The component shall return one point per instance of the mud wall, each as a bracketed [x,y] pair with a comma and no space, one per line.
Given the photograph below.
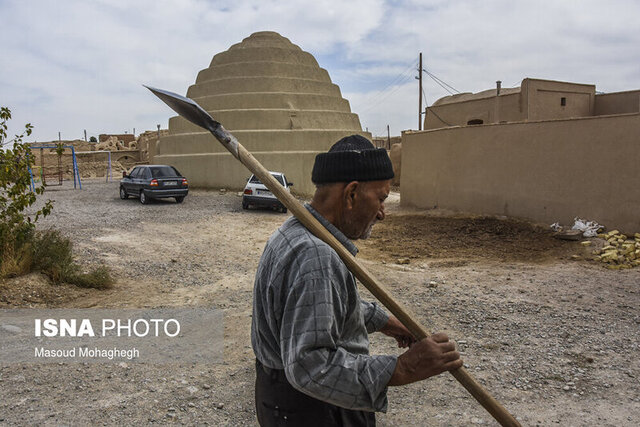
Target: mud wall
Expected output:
[545,171]
[618,103]
[543,99]
[535,99]
[396,161]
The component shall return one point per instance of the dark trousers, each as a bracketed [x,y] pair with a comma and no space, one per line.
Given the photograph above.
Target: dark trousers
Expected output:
[279,404]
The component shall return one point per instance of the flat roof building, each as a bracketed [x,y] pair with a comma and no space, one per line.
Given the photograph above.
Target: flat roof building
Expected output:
[535,99]
[547,151]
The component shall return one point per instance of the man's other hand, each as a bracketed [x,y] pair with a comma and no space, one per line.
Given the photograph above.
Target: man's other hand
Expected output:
[397,330]
[426,358]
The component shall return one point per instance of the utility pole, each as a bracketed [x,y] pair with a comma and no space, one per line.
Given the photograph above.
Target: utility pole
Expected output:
[388,139]
[85,135]
[420,94]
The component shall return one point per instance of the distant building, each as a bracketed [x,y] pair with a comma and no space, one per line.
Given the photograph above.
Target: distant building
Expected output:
[92,158]
[547,151]
[535,99]
[126,138]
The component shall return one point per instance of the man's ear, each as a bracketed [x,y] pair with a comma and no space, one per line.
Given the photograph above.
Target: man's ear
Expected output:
[349,194]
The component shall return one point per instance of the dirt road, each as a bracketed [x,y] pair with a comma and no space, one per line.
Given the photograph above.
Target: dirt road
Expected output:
[553,339]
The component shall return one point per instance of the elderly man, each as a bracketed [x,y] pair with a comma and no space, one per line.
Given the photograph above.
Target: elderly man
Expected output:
[310,328]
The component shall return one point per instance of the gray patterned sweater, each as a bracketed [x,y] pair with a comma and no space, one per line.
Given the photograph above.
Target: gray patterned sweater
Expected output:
[308,319]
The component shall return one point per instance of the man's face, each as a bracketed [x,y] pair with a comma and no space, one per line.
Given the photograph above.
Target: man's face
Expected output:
[366,207]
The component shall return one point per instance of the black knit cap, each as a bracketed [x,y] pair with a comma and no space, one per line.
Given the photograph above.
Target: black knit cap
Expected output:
[353,158]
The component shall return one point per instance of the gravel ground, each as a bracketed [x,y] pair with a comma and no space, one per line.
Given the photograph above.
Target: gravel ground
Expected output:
[555,341]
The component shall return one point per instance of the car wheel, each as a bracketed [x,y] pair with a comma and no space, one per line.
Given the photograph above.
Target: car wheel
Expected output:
[123,193]
[245,205]
[143,198]
[283,210]
[179,199]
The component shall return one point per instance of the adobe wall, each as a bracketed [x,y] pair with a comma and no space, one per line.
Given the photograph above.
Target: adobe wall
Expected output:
[226,172]
[91,162]
[543,99]
[384,142]
[492,109]
[545,171]
[395,154]
[208,164]
[618,103]
[147,142]
[535,99]
[126,138]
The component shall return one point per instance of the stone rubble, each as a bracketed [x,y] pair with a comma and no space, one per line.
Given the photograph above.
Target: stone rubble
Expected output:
[620,251]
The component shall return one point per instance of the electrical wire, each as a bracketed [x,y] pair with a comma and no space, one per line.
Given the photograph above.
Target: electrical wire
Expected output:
[382,98]
[399,77]
[441,82]
[392,87]
[427,108]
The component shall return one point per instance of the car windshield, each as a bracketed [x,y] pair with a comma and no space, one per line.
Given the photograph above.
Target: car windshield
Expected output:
[163,171]
[254,179]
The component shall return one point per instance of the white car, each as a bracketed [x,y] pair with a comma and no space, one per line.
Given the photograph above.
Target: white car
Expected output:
[258,195]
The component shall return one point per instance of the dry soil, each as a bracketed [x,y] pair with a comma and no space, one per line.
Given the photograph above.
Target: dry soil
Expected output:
[555,340]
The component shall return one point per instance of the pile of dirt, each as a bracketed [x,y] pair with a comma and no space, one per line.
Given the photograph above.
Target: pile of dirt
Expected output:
[420,237]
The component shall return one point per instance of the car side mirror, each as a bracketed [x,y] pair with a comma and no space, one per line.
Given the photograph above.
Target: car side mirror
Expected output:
[289,184]
[124,174]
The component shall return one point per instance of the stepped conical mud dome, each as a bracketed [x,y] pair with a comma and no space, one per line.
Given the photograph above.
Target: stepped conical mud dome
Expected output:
[275,99]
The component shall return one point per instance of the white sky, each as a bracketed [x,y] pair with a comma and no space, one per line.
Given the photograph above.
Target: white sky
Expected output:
[70,65]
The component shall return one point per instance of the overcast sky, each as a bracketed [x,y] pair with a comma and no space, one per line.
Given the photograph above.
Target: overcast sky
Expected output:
[70,65]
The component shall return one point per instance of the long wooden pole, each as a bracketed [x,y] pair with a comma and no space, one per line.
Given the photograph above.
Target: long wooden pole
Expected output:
[194,113]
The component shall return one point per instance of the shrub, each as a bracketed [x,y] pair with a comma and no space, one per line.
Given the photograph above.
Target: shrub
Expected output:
[98,278]
[15,262]
[52,254]
[16,195]
[22,249]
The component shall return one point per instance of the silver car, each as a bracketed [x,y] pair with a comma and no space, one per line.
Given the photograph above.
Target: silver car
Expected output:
[258,195]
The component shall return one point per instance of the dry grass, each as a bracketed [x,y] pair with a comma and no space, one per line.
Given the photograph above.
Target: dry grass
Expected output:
[50,253]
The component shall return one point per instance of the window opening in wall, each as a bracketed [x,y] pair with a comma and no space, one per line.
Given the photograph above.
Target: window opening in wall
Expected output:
[475,122]
[563,101]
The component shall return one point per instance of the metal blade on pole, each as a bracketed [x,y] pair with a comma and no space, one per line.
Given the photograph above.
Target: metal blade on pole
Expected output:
[191,111]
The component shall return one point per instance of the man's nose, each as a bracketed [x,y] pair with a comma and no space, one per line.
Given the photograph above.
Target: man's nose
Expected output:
[381,213]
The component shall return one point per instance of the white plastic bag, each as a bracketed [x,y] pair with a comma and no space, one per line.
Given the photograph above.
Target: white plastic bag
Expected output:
[588,228]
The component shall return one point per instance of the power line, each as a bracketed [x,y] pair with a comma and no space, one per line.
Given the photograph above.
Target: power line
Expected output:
[400,76]
[382,98]
[442,86]
[442,83]
[382,94]
[427,108]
